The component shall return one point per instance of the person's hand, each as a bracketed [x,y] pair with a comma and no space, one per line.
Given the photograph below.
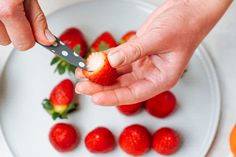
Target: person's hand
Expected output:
[154,61]
[22,22]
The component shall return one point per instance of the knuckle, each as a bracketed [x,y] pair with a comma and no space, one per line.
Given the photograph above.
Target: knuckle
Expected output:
[39,17]
[8,10]
[5,42]
[137,49]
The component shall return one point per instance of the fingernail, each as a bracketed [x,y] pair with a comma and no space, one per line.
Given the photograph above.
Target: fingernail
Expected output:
[78,89]
[50,36]
[115,59]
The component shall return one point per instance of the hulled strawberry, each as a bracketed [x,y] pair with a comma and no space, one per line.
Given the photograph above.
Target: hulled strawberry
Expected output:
[100,140]
[60,103]
[128,36]
[74,39]
[130,109]
[103,42]
[166,141]
[64,137]
[135,140]
[99,69]
[161,105]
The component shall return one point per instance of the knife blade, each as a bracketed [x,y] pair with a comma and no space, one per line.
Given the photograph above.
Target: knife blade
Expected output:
[61,49]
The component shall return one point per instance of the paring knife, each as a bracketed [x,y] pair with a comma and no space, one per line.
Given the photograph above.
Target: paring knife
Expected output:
[60,49]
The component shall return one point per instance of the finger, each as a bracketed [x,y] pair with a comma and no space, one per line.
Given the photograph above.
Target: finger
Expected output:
[87,87]
[17,25]
[4,38]
[38,22]
[131,51]
[137,92]
[79,73]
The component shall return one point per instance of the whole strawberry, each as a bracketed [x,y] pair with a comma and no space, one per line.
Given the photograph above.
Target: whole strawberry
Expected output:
[100,140]
[161,105]
[135,140]
[103,42]
[166,141]
[99,69]
[130,109]
[74,39]
[64,137]
[60,103]
[128,36]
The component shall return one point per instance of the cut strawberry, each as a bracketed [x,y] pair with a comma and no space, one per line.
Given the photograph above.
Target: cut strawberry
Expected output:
[130,109]
[166,141]
[100,70]
[61,103]
[100,140]
[74,39]
[128,36]
[161,105]
[103,42]
[64,137]
[135,140]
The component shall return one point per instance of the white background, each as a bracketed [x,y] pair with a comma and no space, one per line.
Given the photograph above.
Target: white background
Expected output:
[221,43]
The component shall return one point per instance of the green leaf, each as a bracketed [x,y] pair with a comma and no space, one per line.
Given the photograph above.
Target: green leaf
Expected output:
[77,49]
[61,68]
[71,68]
[55,115]
[103,46]
[55,60]
[71,108]
[47,104]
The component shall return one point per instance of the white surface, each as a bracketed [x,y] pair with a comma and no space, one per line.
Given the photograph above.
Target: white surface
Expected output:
[221,44]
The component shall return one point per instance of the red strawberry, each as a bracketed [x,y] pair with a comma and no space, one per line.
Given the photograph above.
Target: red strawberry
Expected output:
[103,42]
[128,36]
[64,137]
[60,103]
[99,69]
[161,105]
[74,39]
[166,141]
[135,140]
[100,140]
[131,109]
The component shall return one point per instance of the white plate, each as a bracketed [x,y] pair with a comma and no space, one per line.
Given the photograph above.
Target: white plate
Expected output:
[28,79]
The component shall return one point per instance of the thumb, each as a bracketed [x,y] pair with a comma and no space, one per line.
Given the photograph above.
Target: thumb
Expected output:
[133,50]
[38,22]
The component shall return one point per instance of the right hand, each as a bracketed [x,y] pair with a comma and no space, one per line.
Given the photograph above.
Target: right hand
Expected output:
[22,22]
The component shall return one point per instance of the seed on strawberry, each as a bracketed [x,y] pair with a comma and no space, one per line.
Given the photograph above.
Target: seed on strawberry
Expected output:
[135,140]
[103,42]
[64,137]
[74,39]
[61,99]
[100,70]
[130,109]
[161,105]
[166,141]
[128,36]
[100,140]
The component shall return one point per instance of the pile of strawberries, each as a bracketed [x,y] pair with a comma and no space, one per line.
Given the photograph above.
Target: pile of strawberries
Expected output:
[134,139]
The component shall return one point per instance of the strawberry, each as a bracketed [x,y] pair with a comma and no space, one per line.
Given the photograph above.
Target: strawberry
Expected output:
[60,103]
[166,141]
[103,42]
[128,36]
[161,105]
[74,39]
[131,109]
[135,140]
[64,137]
[100,140]
[99,69]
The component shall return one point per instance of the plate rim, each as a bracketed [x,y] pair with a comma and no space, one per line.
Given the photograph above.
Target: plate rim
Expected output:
[203,53]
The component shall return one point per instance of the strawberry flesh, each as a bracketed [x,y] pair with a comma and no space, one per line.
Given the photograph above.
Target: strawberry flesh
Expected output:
[100,70]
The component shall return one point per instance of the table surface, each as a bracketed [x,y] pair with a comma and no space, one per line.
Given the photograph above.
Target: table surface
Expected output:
[220,43]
